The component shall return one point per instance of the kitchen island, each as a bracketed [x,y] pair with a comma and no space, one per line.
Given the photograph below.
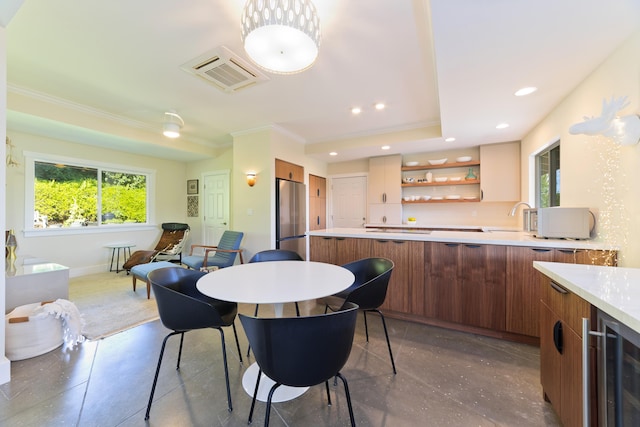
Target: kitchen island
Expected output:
[476,281]
[576,299]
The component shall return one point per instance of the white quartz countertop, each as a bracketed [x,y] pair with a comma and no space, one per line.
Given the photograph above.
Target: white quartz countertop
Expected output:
[491,236]
[614,290]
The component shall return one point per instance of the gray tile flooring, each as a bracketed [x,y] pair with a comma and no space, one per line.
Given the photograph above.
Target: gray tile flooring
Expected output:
[444,378]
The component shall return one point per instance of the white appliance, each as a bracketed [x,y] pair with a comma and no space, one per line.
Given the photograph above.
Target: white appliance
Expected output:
[561,223]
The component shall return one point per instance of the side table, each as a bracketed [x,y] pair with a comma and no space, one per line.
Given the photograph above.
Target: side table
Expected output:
[115,253]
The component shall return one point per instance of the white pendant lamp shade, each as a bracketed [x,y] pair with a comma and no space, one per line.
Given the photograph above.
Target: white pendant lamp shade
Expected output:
[172,124]
[281,36]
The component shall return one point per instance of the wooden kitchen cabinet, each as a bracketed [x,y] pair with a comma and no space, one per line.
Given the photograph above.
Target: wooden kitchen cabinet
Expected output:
[384,190]
[338,250]
[290,171]
[500,172]
[465,283]
[317,203]
[523,282]
[404,294]
[561,314]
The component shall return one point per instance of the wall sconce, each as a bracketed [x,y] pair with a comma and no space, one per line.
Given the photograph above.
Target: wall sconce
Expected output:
[251,179]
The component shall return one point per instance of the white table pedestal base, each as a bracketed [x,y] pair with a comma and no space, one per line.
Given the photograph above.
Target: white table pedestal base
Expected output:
[282,393]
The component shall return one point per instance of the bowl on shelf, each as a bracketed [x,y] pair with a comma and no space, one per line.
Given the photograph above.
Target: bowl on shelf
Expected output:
[463,159]
[407,198]
[455,178]
[411,164]
[411,222]
[441,179]
[426,197]
[453,197]
[470,197]
[438,162]
[436,198]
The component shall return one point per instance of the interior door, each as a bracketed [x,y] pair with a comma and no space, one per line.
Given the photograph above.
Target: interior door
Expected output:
[216,206]
[349,201]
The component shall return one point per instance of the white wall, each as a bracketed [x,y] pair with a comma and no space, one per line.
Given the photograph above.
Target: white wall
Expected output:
[85,253]
[5,365]
[595,172]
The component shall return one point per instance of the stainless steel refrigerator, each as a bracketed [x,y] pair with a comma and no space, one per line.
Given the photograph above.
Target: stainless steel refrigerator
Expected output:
[291,216]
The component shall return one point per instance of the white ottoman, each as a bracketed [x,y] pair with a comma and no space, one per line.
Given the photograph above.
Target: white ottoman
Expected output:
[28,335]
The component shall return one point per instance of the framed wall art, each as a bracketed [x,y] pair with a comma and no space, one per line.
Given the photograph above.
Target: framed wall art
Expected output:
[192,206]
[192,186]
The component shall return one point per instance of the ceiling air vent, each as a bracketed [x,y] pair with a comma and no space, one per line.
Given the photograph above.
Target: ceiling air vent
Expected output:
[224,69]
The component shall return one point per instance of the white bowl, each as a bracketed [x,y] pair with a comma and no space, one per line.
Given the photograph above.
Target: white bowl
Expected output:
[407,198]
[411,222]
[455,178]
[441,179]
[426,197]
[463,159]
[436,198]
[452,197]
[438,162]
[411,164]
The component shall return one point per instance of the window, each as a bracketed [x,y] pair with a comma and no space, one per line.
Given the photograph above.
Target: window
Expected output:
[548,177]
[65,193]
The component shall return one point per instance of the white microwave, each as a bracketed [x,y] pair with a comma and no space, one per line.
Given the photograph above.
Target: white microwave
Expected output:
[561,223]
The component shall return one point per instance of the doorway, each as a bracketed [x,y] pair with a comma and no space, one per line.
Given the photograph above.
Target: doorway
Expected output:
[215,219]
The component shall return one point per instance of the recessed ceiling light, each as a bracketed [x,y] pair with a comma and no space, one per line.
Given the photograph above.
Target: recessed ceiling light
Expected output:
[356,110]
[333,153]
[525,91]
[380,106]
[450,139]
[502,126]
[385,147]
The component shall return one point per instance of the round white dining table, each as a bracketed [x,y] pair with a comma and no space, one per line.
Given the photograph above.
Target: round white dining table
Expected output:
[277,283]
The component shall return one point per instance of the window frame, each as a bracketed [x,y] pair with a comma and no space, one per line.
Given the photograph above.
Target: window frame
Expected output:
[554,181]
[30,158]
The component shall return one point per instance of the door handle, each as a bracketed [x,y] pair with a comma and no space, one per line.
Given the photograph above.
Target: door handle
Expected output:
[557,336]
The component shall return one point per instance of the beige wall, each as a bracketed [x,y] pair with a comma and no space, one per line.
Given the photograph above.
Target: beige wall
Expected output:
[85,253]
[5,365]
[595,172]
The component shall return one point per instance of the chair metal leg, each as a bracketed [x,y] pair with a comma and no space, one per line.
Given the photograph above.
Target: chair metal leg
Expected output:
[226,369]
[346,392]
[235,334]
[180,350]
[366,327]
[384,325]
[326,384]
[255,393]
[268,412]
[155,378]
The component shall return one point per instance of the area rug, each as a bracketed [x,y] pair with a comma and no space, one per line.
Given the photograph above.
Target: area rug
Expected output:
[108,304]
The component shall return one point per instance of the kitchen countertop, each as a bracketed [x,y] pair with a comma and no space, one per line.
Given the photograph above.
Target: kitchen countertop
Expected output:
[614,290]
[490,236]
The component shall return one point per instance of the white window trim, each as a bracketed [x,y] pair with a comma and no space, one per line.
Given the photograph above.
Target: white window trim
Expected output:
[31,157]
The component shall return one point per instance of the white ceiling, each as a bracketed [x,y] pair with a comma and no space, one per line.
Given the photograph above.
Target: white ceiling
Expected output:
[453,64]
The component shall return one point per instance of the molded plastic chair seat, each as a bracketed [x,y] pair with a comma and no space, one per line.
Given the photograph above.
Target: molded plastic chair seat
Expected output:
[368,291]
[183,308]
[224,254]
[302,351]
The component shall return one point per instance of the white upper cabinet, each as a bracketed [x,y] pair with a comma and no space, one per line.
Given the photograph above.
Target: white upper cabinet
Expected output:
[385,179]
[500,172]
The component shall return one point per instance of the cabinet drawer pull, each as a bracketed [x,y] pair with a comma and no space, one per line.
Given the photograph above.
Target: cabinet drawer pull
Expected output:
[557,336]
[541,250]
[399,242]
[382,241]
[327,238]
[558,288]
[473,246]
[452,245]
[340,238]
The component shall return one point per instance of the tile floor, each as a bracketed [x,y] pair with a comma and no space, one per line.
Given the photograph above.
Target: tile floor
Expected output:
[444,378]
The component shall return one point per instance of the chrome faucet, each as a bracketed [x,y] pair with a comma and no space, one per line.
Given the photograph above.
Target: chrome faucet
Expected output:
[513,209]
